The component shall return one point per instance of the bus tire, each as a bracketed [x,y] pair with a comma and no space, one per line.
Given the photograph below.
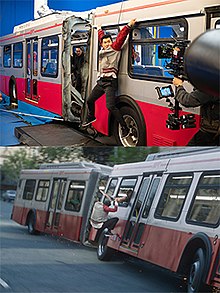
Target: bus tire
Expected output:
[13,92]
[137,134]
[104,252]
[31,224]
[196,272]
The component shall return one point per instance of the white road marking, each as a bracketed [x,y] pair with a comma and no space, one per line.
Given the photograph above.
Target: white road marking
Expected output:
[3,284]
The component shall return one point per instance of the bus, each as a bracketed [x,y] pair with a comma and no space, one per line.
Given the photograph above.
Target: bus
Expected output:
[170,217]
[56,198]
[35,69]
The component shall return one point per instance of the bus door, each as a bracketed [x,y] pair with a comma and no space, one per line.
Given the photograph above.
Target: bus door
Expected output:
[55,204]
[136,222]
[31,92]
[213,17]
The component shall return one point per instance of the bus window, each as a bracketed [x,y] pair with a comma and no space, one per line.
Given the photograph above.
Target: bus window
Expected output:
[42,190]
[1,56]
[144,45]
[18,55]
[7,56]
[126,190]
[111,187]
[217,24]
[205,209]
[150,197]
[29,189]
[173,196]
[35,58]
[75,196]
[49,56]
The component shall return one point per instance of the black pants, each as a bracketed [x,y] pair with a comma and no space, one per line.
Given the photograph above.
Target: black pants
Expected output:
[110,224]
[109,87]
[202,138]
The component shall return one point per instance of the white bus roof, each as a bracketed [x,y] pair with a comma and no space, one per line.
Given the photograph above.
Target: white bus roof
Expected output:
[206,160]
[56,17]
[77,165]
[122,12]
[180,152]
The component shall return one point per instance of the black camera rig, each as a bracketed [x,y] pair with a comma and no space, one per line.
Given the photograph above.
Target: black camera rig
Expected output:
[175,121]
[175,52]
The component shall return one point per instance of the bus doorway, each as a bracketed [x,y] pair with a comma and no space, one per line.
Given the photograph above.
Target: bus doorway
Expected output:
[139,213]
[55,205]
[31,75]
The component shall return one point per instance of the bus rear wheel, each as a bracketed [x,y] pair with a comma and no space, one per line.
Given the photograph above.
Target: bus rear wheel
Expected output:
[13,92]
[137,136]
[197,267]
[103,251]
[31,224]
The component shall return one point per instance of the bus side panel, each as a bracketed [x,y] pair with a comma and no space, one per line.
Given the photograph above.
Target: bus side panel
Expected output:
[17,214]
[4,84]
[50,97]
[20,214]
[20,86]
[41,218]
[70,226]
[154,238]
[214,273]
[157,133]
[101,113]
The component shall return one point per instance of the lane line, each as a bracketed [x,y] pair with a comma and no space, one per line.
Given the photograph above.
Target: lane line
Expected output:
[4,284]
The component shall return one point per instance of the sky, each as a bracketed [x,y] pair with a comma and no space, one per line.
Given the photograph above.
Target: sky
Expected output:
[14,12]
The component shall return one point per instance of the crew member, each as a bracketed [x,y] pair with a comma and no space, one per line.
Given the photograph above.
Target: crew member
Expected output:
[77,61]
[109,57]
[208,134]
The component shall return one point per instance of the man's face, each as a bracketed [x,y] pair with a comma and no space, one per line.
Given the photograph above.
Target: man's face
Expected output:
[106,43]
[78,51]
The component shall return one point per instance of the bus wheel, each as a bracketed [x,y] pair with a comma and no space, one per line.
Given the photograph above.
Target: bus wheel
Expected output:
[13,92]
[103,251]
[195,283]
[137,131]
[31,224]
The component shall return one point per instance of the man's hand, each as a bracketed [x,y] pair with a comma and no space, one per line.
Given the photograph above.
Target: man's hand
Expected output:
[177,81]
[99,27]
[132,22]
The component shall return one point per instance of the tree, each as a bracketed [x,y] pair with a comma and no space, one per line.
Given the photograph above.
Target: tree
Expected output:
[131,155]
[13,164]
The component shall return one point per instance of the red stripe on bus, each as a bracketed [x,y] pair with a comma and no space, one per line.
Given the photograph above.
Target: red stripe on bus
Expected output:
[30,32]
[139,7]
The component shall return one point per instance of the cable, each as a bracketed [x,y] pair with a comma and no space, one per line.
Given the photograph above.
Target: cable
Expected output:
[119,16]
[32,115]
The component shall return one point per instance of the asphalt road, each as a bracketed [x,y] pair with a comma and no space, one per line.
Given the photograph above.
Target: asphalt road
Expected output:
[42,263]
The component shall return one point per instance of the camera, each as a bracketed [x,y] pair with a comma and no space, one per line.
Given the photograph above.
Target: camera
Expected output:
[165,92]
[175,52]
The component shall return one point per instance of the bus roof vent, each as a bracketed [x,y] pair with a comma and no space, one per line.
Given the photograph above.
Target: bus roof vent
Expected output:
[76,165]
[72,165]
[179,152]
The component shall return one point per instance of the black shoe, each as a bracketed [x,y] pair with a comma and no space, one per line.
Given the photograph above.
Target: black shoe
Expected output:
[88,121]
[124,132]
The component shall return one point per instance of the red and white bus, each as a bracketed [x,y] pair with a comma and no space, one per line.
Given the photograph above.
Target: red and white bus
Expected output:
[57,198]
[35,65]
[172,215]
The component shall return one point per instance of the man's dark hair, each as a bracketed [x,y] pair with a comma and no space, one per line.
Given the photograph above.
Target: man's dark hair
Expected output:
[106,37]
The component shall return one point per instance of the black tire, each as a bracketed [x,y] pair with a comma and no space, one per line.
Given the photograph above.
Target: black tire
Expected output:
[196,272]
[137,134]
[104,252]
[13,92]
[31,224]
